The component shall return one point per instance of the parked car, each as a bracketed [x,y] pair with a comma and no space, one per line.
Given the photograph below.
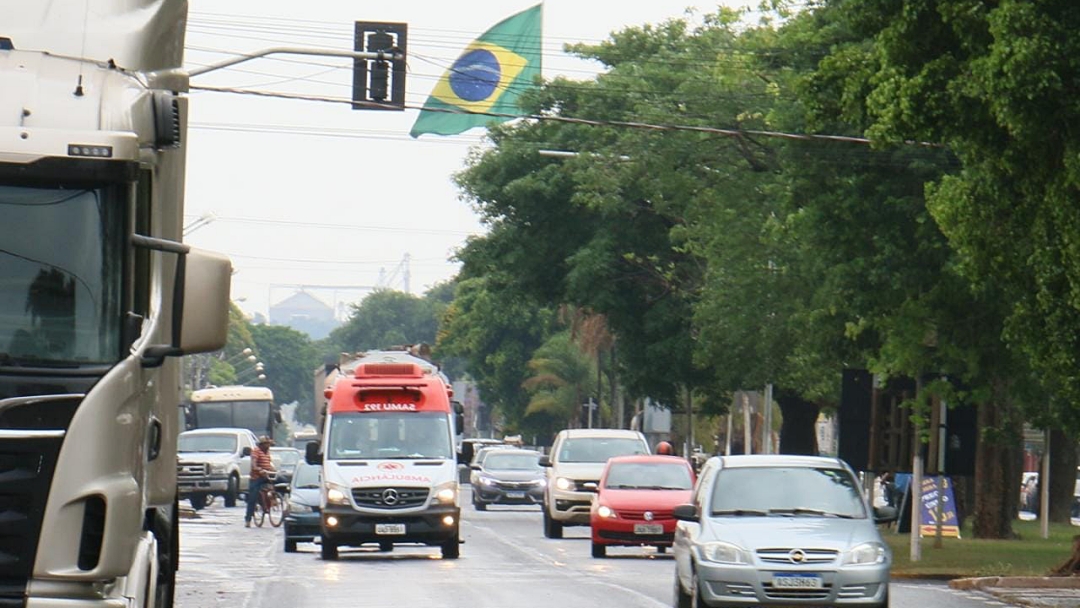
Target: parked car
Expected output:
[780,530]
[635,502]
[285,460]
[302,518]
[508,476]
[573,471]
[213,462]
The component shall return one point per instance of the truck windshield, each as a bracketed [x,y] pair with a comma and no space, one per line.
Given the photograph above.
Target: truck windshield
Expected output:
[389,435]
[207,443]
[61,264]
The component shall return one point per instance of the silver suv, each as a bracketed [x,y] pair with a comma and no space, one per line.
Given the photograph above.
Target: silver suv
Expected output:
[780,530]
[214,462]
[573,471]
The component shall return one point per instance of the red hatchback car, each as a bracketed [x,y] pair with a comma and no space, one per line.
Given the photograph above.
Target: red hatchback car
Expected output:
[634,501]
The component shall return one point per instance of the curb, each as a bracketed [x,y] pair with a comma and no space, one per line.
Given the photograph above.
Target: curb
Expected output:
[1016,582]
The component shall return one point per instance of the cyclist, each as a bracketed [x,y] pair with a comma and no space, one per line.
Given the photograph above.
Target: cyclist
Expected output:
[261,469]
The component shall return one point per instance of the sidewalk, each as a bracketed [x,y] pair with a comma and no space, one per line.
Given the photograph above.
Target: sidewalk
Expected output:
[1037,591]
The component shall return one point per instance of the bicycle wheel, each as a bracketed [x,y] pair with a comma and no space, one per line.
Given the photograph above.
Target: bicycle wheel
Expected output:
[260,514]
[277,509]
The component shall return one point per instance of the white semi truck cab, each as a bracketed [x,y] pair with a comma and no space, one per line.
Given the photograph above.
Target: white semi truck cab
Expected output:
[389,469]
[98,297]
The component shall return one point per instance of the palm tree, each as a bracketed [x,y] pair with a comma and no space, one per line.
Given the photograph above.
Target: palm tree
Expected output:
[562,377]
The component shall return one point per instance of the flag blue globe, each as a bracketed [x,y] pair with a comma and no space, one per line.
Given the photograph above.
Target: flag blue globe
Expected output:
[475,75]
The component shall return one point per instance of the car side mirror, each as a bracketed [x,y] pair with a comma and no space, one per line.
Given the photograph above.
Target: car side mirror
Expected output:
[311,452]
[884,515]
[688,512]
[545,461]
[245,452]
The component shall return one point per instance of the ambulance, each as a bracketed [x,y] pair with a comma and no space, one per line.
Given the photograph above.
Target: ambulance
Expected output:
[389,466]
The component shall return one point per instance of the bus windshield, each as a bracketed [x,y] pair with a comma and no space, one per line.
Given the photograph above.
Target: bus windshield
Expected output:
[390,435]
[61,265]
[256,416]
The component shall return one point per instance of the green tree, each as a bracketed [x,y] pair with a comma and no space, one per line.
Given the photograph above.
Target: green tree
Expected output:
[289,356]
[561,379]
[383,319]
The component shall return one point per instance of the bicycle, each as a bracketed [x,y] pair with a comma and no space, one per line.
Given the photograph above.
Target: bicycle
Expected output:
[271,503]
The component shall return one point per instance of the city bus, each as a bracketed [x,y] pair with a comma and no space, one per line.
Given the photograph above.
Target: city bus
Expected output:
[245,407]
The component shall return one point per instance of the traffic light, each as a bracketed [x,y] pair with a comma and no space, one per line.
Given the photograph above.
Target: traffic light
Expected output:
[379,83]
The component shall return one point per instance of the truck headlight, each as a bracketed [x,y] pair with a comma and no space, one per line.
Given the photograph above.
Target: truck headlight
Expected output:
[336,494]
[564,484]
[446,493]
[218,469]
[866,554]
[724,553]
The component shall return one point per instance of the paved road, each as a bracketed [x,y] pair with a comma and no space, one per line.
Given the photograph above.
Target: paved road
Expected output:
[505,561]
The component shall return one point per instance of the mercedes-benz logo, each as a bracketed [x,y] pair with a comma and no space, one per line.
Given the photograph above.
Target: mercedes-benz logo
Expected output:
[390,496]
[797,556]
[648,516]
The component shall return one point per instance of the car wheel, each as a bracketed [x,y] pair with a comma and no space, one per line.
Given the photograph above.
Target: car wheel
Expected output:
[233,491]
[599,550]
[386,546]
[885,602]
[552,528]
[479,506]
[290,546]
[451,549]
[682,598]
[328,549]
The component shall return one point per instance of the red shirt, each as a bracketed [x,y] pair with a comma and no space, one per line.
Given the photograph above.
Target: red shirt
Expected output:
[260,463]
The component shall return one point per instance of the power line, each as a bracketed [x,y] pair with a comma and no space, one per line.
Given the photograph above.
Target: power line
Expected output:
[659,127]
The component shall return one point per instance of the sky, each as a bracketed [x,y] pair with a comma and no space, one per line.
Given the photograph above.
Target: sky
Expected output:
[315,196]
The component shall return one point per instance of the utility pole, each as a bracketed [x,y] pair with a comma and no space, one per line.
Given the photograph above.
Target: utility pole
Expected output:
[766,444]
[748,438]
[916,486]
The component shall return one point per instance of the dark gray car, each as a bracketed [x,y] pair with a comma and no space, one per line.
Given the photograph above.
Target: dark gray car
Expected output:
[777,530]
[508,476]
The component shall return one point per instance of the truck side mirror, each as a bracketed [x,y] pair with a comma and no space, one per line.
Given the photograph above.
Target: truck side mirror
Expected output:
[245,452]
[311,452]
[200,315]
[545,461]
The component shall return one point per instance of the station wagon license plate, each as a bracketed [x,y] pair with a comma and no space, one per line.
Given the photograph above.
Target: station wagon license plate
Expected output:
[648,529]
[515,494]
[796,581]
[389,529]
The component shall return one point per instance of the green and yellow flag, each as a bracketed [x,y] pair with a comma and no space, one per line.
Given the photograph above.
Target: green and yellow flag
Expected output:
[488,76]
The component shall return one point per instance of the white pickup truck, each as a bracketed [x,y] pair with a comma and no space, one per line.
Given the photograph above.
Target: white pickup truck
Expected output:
[214,462]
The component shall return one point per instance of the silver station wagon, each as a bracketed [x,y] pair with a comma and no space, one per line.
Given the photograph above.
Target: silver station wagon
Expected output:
[779,530]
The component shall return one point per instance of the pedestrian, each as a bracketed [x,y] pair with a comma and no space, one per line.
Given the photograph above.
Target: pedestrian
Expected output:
[261,469]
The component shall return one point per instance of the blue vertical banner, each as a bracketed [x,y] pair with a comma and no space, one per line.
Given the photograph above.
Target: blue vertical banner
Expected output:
[928,507]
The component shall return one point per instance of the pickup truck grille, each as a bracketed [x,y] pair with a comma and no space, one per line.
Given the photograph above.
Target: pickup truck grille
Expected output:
[390,498]
[191,470]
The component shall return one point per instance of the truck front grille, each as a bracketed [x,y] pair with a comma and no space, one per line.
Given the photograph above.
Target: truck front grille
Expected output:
[191,470]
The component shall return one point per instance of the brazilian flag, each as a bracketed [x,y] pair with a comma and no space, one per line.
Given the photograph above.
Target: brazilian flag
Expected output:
[488,76]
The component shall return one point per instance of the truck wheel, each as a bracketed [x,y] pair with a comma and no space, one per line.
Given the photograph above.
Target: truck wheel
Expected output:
[233,492]
[451,549]
[552,528]
[328,549]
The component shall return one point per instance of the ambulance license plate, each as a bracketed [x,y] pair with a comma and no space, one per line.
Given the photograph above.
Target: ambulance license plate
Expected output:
[389,529]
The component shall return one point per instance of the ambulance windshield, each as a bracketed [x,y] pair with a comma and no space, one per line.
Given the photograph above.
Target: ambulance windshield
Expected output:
[389,435]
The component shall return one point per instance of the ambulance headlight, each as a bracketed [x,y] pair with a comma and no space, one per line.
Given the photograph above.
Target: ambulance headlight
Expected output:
[446,493]
[336,494]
